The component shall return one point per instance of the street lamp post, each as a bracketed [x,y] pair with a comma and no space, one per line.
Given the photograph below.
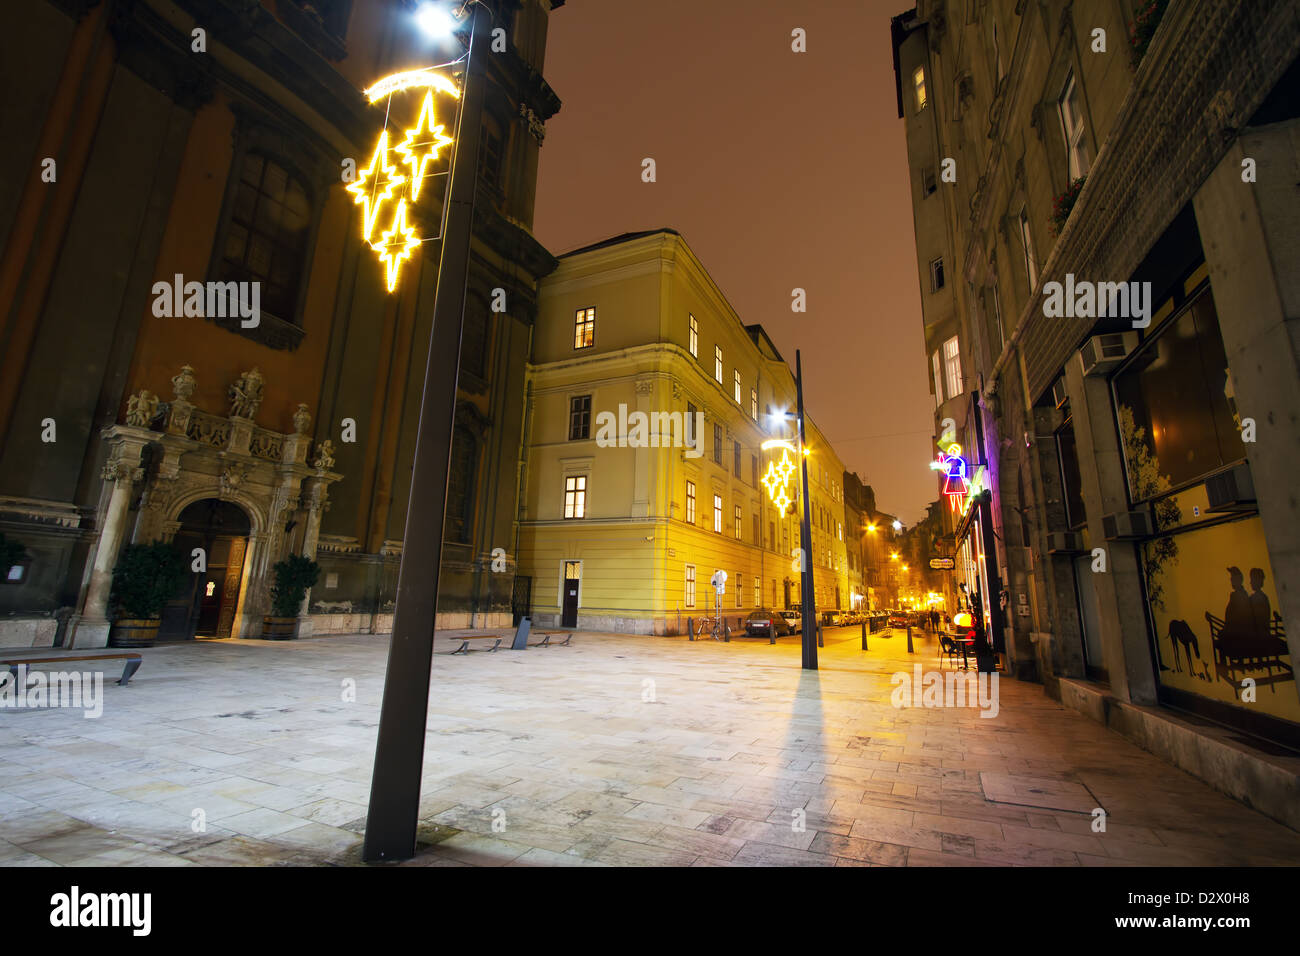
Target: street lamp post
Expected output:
[809,606]
[399,751]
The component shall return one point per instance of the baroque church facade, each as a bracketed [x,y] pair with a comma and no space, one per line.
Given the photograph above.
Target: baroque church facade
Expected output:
[210,141]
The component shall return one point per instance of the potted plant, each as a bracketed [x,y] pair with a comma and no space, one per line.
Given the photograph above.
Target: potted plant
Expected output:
[145,578]
[1143,28]
[294,576]
[1063,205]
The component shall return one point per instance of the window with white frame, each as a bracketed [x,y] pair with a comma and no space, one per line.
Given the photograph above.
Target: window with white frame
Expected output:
[695,337]
[690,502]
[758,592]
[1073,128]
[952,367]
[690,585]
[918,85]
[753,404]
[938,379]
[717,513]
[575,496]
[936,274]
[737,525]
[740,590]
[1026,240]
[717,363]
[736,379]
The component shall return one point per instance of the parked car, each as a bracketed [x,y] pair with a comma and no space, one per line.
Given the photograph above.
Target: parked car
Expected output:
[897,619]
[764,622]
[831,618]
[794,619]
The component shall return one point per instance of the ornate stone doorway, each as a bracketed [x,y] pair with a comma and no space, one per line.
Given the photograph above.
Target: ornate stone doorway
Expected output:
[206,607]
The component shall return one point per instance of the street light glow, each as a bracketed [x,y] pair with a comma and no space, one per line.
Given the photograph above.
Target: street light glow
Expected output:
[898,526]
[435,20]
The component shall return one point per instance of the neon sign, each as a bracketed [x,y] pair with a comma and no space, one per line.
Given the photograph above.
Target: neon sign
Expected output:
[961,481]
[387,188]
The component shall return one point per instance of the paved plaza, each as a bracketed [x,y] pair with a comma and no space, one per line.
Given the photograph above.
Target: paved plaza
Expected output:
[615,750]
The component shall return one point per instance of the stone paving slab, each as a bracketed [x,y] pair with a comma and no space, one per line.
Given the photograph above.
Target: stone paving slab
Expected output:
[614,751]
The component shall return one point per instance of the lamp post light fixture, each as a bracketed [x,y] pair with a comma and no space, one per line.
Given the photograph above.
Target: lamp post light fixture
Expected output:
[393,811]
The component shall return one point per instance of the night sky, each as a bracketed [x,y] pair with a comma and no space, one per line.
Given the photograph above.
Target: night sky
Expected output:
[781,170]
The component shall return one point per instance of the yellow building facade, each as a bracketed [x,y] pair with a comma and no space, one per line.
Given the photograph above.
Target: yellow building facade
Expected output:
[648,405]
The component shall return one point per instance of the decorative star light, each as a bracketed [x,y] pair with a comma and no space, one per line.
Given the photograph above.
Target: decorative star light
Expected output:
[786,467]
[374,187]
[421,145]
[772,481]
[396,244]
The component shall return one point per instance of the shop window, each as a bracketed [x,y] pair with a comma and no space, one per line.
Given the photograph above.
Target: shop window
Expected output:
[1173,402]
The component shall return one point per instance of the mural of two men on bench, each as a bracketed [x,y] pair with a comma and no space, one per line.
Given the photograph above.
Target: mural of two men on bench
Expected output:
[1211,647]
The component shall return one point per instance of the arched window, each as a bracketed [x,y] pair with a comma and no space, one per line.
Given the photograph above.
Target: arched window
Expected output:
[266,239]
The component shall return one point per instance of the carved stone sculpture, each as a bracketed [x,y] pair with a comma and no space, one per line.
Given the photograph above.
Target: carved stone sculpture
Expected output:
[246,395]
[301,420]
[141,408]
[324,456]
[184,383]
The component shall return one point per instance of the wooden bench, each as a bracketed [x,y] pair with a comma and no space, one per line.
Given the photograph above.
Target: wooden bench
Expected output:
[547,635]
[133,662]
[466,638]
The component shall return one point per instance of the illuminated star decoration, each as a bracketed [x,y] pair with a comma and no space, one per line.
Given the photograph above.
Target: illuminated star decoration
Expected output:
[777,477]
[421,145]
[374,186]
[396,244]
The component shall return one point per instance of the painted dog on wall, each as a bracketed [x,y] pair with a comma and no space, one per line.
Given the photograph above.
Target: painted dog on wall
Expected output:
[1180,633]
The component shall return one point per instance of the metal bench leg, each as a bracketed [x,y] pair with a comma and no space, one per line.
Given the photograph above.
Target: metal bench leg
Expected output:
[495,646]
[129,670]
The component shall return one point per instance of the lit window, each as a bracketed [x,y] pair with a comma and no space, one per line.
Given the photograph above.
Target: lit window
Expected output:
[918,82]
[690,502]
[740,590]
[717,513]
[1031,263]
[1070,106]
[737,527]
[695,337]
[210,589]
[690,585]
[938,380]
[575,496]
[952,366]
[584,329]
[717,363]
[758,593]
[579,417]
[737,385]
[753,404]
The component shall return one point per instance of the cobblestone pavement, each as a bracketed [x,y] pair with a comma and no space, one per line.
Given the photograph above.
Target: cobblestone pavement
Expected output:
[615,750]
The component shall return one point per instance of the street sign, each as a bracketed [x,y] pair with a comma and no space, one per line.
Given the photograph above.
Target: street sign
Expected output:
[942,564]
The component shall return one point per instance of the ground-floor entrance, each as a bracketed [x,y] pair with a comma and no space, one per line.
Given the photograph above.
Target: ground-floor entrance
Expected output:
[213,537]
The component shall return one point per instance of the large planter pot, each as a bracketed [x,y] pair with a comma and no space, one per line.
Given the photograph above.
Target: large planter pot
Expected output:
[279,628]
[134,632]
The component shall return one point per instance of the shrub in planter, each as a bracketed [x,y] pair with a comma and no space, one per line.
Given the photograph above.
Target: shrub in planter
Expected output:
[1064,203]
[145,578]
[294,576]
[1143,28]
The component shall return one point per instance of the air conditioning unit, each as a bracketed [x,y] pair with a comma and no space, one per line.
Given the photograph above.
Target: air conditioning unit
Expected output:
[1231,490]
[1064,542]
[1059,396]
[1101,353]
[1126,524]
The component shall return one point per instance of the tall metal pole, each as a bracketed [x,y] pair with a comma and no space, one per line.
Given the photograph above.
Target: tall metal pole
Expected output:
[399,752]
[809,605]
